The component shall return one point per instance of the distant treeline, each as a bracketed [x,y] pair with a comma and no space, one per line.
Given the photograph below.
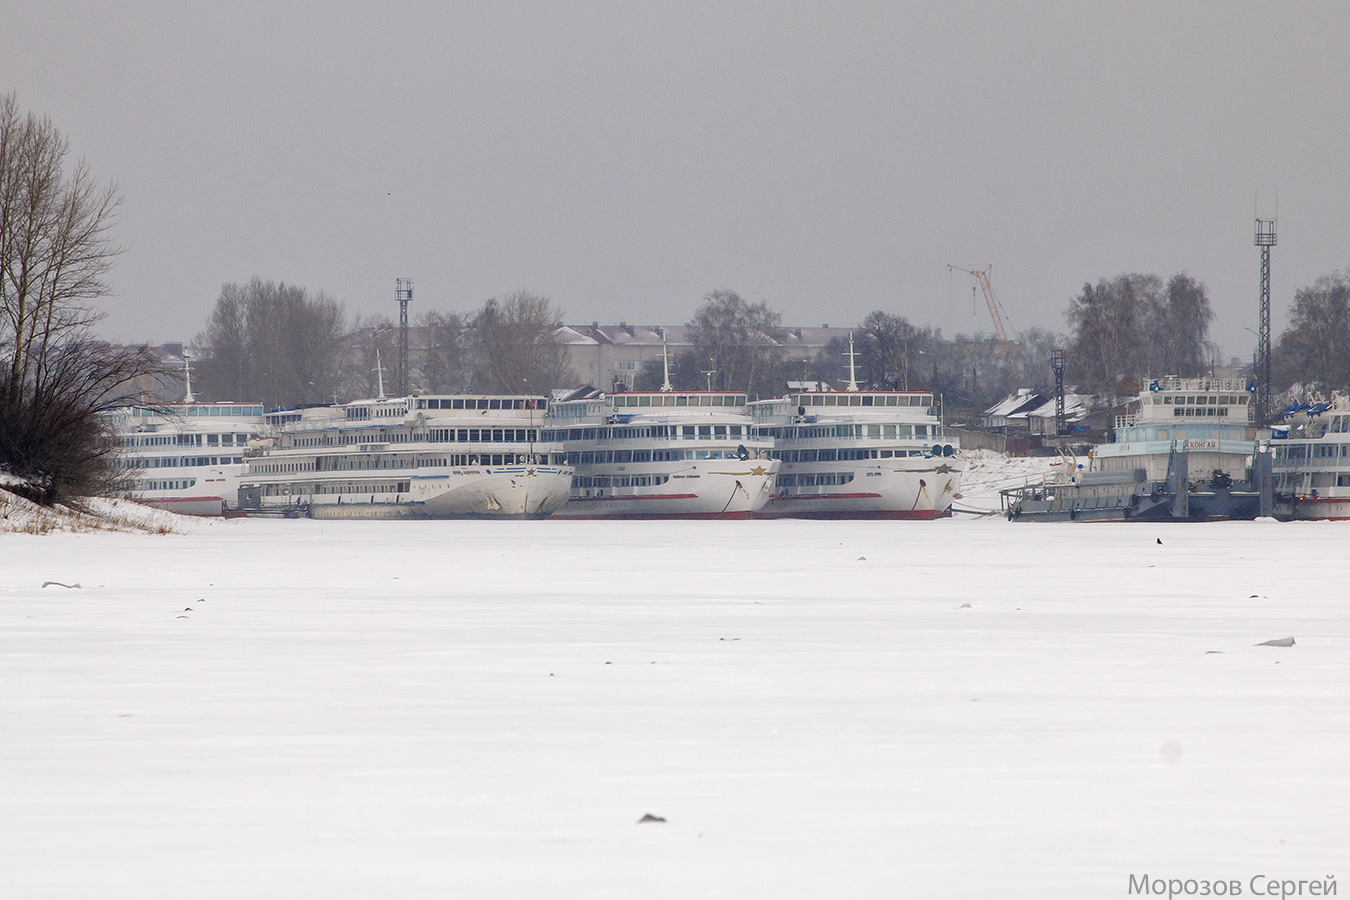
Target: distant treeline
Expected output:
[287,346]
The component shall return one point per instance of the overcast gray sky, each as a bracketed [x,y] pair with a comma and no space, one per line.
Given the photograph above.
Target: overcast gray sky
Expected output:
[627,158]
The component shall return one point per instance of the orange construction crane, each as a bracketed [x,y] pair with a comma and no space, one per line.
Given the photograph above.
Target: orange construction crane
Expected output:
[982,276]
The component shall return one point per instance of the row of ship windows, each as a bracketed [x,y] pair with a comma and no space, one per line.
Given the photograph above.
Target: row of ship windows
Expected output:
[577,409]
[1197,400]
[481,403]
[390,487]
[1319,451]
[185,440]
[180,484]
[582,482]
[403,462]
[434,435]
[670,432]
[589,457]
[398,409]
[850,399]
[275,468]
[1197,412]
[174,462]
[203,411]
[819,479]
[849,453]
[1290,482]
[492,459]
[495,435]
[622,401]
[376,412]
[800,432]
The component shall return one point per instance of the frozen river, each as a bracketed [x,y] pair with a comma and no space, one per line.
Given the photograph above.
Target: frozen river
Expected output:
[964,708]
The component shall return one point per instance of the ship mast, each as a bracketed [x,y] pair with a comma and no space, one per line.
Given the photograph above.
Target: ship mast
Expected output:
[852,369]
[665,361]
[187,377]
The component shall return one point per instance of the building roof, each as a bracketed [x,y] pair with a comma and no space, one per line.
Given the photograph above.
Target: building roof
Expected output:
[626,335]
[1075,408]
[1018,403]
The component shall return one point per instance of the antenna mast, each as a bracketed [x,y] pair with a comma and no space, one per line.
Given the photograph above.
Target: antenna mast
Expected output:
[1265,239]
[379,373]
[1057,363]
[403,294]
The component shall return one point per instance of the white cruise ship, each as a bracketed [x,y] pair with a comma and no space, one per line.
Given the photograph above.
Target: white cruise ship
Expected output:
[186,457]
[662,454]
[859,455]
[442,456]
[1312,461]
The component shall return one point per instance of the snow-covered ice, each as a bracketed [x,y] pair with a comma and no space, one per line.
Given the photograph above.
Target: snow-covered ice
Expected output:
[464,709]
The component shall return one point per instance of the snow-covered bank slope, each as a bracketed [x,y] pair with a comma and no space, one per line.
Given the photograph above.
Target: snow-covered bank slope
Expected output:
[19,515]
[447,709]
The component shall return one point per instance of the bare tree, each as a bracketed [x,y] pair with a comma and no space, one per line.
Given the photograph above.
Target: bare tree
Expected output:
[1315,348]
[739,343]
[443,365]
[1133,325]
[272,342]
[55,246]
[514,348]
[55,251]
[884,344]
[57,438]
[1179,329]
[370,351]
[685,374]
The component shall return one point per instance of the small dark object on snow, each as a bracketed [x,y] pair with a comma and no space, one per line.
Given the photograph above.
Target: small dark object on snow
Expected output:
[187,609]
[1278,642]
[1208,652]
[182,617]
[1159,540]
[74,586]
[965,606]
[650,818]
[862,557]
